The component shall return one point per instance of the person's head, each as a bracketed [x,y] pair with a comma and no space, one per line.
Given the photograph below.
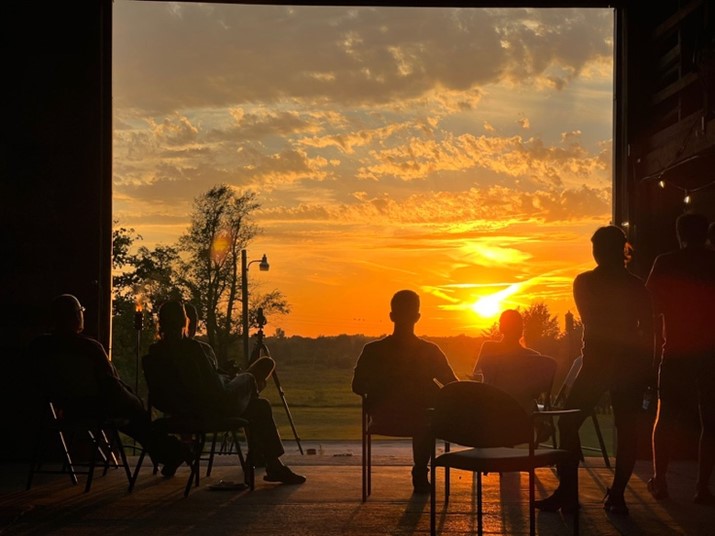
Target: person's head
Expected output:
[66,314]
[172,319]
[193,316]
[610,246]
[511,324]
[405,308]
[692,229]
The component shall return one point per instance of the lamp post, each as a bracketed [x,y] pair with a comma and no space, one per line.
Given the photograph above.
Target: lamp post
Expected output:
[264,267]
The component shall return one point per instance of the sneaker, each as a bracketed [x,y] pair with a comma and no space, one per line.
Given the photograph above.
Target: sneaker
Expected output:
[262,368]
[615,504]
[283,475]
[658,490]
[703,496]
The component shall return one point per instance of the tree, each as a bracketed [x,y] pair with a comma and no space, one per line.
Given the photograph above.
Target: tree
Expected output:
[541,329]
[221,226]
[492,333]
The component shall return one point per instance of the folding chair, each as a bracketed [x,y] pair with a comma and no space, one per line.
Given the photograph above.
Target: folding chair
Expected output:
[560,399]
[494,427]
[98,435]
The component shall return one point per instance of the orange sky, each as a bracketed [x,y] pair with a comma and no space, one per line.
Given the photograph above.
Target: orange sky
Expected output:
[465,154]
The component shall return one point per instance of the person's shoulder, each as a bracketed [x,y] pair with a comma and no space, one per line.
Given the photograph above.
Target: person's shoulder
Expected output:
[585,276]
[377,344]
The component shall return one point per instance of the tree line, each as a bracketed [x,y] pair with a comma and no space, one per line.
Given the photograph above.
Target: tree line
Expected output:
[204,268]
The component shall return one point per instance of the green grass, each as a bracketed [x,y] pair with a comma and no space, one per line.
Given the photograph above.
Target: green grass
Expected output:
[323,407]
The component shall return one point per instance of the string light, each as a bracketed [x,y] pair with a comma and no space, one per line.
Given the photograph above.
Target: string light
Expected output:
[686,199]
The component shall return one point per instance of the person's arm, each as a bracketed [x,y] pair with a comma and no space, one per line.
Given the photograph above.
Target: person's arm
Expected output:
[647,336]
[443,371]
[362,372]
[582,299]
[485,360]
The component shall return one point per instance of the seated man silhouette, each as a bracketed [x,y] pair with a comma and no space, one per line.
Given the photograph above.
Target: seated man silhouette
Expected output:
[400,375]
[183,382]
[493,353]
[514,368]
[74,371]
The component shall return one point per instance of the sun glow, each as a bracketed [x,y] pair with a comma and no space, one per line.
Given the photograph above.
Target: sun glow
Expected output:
[490,306]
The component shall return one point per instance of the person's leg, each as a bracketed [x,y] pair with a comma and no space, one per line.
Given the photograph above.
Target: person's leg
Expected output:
[263,431]
[421,452]
[266,440]
[584,395]
[706,445]
[672,381]
[626,402]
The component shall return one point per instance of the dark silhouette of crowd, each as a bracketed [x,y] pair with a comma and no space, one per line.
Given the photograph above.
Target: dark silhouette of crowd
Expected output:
[623,316]
[399,375]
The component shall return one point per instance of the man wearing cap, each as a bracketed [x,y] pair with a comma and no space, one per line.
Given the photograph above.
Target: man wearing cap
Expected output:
[74,371]
[617,315]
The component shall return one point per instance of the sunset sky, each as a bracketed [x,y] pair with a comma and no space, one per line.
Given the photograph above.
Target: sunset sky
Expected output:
[461,153]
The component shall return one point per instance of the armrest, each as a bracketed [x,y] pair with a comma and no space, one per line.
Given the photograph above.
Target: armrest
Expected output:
[555,412]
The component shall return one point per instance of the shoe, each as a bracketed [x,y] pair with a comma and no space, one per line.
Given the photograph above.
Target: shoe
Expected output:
[557,501]
[615,504]
[704,496]
[658,490]
[283,475]
[262,368]
[183,455]
[420,483]
[168,470]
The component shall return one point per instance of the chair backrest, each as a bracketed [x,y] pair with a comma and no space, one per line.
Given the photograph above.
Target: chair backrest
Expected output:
[525,377]
[476,414]
[568,381]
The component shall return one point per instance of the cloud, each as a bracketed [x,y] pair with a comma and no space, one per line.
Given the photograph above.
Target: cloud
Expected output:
[223,55]
[494,207]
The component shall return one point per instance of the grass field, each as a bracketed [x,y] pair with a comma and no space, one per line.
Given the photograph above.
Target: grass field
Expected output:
[323,407]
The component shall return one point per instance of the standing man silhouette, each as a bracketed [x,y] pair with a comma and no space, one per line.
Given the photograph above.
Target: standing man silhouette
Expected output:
[683,286]
[617,317]
[400,375]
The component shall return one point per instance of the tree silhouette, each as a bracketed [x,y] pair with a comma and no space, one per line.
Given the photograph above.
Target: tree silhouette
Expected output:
[221,226]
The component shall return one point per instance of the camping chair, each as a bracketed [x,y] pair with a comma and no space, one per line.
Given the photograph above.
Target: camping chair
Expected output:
[390,427]
[495,428]
[560,399]
[100,434]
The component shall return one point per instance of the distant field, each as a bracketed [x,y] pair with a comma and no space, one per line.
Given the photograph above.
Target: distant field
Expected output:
[324,408]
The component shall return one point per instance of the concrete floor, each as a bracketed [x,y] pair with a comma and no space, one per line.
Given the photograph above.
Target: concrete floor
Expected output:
[329,503]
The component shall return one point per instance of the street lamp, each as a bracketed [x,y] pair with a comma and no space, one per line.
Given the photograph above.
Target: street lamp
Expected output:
[264,267]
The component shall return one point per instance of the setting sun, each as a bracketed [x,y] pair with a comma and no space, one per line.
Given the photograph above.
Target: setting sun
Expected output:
[488,306]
